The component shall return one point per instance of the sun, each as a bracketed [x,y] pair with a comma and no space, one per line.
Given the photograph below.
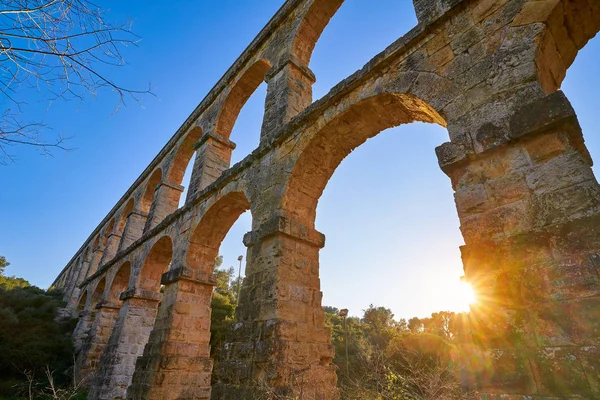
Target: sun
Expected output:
[459,296]
[466,293]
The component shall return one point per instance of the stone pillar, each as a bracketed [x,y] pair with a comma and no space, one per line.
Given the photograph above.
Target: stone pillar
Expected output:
[279,346]
[126,344]
[134,228]
[81,339]
[112,246]
[101,329]
[96,258]
[530,216]
[166,201]
[82,329]
[289,91]
[213,156]
[176,363]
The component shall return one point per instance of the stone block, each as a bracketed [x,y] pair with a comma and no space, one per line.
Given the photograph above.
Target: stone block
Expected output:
[560,373]
[567,323]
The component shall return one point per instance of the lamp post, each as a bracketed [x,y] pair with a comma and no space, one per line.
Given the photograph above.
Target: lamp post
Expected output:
[240,258]
[344,313]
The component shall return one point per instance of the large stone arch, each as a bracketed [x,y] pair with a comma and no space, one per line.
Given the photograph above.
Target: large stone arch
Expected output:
[212,228]
[569,25]
[155,263]
[119,283]
[339,137]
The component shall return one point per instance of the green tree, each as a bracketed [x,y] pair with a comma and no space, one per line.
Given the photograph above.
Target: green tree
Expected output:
[31,337]
[223,306]
[3,264]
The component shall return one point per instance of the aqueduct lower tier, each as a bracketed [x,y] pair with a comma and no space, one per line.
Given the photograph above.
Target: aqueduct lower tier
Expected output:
[529,207]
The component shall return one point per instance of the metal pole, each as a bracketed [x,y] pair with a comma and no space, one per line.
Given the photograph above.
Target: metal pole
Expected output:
[240,258]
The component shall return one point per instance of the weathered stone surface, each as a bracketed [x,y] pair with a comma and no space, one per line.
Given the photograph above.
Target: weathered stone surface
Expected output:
[527,200]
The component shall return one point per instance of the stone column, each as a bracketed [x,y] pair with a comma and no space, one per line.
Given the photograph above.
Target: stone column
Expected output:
[81,340]
[82,329]
[112,245]
[166,201]
[96,257]
[289,91]
[176,363]
[101,329]
[213,156]
[134,228]
[126,344]
[529,208]
[279,345]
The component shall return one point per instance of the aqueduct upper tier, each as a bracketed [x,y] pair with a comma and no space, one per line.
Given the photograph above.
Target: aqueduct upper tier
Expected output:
[529,207]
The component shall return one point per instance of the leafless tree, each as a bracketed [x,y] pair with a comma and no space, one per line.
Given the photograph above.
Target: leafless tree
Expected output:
[63,50]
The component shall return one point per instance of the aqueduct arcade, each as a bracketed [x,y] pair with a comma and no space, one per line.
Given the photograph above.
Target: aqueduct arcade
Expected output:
[490,71]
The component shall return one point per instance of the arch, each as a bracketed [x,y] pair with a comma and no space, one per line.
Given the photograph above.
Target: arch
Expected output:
[82,301]
[156,263]
[98,294]
[239,94]
[153,182]
[75,271]
[126,211]
[96,242]
[570,25]
[184,155]
[212,228]
[348,130]
[108,231]
[120,282]
[310,29]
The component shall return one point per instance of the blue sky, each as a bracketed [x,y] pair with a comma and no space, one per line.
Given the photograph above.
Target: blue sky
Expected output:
[388,212]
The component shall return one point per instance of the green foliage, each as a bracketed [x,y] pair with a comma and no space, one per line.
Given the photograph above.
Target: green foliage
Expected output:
[396,360]
[224,302]
[31,340]
[3,264]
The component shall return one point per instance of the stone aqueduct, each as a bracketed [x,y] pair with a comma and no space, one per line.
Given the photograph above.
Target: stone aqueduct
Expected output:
[529,207]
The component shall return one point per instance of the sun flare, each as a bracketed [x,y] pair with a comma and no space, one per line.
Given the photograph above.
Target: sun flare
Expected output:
[467,293]
[458,296]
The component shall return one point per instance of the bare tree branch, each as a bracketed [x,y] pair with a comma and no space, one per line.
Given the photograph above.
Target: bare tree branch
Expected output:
[62,49]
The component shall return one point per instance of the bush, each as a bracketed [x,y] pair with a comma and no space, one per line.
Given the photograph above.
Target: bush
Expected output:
[32,341]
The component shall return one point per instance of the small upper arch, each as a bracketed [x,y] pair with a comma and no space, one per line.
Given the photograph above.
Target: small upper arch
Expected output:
[148,197]
[311,27]
[240,92]
[125,213]
[183,155]
[107,231]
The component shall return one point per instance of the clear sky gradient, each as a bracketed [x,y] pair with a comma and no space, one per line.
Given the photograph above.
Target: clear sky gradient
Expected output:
[388,212]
